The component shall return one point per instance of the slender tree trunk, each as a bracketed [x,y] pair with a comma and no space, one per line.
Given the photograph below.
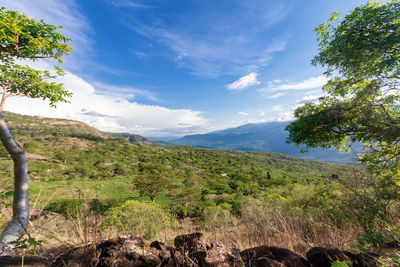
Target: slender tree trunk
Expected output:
[20,202]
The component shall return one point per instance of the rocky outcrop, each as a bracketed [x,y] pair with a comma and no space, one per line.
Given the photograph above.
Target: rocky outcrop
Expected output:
[192,250]
[119,252]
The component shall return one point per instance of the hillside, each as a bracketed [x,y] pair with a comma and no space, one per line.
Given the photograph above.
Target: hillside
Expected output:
[67,154]
[32,126]
[266,137]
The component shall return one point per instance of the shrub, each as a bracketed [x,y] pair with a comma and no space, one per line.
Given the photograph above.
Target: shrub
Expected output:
[218,217]
[65,207]
[139,218]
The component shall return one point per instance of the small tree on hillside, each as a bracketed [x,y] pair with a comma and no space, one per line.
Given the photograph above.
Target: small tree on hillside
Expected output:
[25,38]
[152,179]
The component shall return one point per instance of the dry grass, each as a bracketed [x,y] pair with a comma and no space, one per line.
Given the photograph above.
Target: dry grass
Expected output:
[259,224]
[263,225]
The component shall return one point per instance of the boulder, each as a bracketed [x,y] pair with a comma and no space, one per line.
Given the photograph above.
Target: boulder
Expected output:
[389,249]
[165,253]
[183,243]
[219,255]
[30,261]
[272,256]
[77,257]
[322,257]
[367,260]
[192,250]
[120,252]
[319,257]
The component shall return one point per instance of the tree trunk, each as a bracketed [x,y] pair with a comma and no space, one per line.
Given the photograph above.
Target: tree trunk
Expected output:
[20,202]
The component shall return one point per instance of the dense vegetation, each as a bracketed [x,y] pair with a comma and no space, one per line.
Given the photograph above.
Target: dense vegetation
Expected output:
[73,166]
[360,53]
[184,180]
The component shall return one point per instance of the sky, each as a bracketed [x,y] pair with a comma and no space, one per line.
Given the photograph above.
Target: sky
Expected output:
[167,68]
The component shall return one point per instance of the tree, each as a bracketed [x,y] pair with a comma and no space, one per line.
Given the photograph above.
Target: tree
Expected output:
[25,38]
[152,179]
[361,53]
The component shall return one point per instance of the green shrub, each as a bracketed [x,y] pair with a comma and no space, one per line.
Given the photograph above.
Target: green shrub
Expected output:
[139,218]
[65,207]
[339,263]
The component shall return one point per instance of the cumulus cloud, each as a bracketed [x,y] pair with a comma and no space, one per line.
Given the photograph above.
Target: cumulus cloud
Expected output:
[112,113]
[310,83]
[243,82]
[243,113]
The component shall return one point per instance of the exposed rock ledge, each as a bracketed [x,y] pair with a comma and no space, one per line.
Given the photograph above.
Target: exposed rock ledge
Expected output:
[191,250]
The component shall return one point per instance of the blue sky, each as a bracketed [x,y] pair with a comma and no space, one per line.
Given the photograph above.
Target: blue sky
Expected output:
[176,67]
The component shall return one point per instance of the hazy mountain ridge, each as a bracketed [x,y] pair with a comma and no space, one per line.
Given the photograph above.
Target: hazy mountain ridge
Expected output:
[266,137]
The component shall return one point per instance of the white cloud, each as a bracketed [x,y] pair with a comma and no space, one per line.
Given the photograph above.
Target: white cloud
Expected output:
[243,113]
[275,95]
[216,43]
[112,113]
[308,98]
[140,54]
[128,4]
[124,91]
[281,113]
[243,82]
[311,83]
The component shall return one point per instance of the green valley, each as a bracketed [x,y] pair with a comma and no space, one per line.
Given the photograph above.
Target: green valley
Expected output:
[68,156]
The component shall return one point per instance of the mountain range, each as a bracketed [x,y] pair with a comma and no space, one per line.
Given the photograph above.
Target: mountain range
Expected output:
[266,137]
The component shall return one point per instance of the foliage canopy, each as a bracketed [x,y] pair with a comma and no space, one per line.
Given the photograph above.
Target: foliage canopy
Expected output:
[26,38]
[361,52]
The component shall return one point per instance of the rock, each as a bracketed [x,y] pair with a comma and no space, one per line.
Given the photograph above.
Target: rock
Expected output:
[322,257]
[77,257]
[132,242]
[272,256]
[29,261]
[219,255]
[184,242]
[367,260]
[193,251]
[158,245]
[190,249]
[389,249]
[121,252]
[165,253]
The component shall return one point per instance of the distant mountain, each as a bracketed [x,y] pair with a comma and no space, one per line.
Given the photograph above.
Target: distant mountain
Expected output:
[267,137]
